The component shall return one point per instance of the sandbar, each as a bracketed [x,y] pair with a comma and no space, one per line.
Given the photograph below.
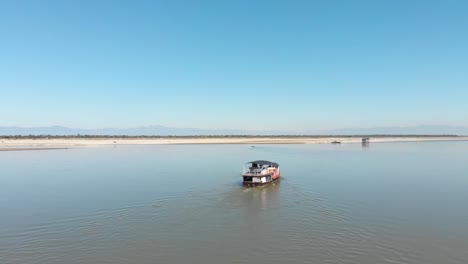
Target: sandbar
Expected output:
[9,144]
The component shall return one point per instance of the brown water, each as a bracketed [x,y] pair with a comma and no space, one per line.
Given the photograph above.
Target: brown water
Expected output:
[385,203]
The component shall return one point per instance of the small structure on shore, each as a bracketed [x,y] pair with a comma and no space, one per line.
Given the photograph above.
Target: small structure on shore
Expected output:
[260,172]
[365,142]
[336,142]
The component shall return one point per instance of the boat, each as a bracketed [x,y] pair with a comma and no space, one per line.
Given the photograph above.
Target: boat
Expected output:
[260,172]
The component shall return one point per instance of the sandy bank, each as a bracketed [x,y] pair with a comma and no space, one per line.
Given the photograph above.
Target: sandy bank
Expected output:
[27,144]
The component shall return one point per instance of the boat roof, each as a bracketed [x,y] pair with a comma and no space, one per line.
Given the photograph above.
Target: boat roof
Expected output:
[264,162]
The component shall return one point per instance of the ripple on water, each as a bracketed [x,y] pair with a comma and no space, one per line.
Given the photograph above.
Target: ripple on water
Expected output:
[280,223]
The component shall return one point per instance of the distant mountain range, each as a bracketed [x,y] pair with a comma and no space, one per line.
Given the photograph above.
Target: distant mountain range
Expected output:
[410,130]
[135,131]
[171,131]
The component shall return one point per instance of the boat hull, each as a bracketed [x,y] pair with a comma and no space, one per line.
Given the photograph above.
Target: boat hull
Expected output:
[255,184]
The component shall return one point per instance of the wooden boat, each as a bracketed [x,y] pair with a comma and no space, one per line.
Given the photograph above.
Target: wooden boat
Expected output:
[260,172]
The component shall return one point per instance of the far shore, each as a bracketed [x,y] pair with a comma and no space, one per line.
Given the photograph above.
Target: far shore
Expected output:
[43,143]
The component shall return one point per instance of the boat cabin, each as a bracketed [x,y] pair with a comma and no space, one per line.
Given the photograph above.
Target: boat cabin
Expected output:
[260,172]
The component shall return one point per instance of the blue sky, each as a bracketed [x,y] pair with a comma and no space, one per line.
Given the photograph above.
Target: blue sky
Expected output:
[302,65]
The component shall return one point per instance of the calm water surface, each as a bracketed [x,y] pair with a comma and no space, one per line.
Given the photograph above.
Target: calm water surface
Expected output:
[385,203]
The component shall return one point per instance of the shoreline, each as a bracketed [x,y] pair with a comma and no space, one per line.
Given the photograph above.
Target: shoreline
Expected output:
[64,143]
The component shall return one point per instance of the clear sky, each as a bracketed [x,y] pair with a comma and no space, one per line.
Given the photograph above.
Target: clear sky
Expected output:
[299,65]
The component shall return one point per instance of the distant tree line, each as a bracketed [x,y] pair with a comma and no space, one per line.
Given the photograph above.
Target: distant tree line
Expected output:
[78,136]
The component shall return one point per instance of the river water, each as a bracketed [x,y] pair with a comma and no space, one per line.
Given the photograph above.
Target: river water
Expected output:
[348,203]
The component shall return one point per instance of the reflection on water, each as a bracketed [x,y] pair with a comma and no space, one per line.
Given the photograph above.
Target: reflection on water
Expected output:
[258,200]
[263,198]
[173,204]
